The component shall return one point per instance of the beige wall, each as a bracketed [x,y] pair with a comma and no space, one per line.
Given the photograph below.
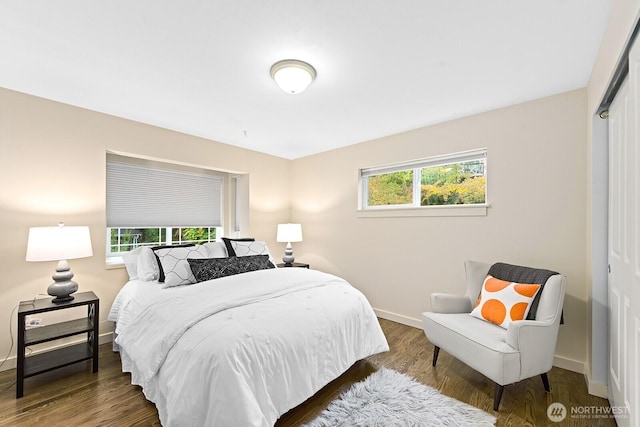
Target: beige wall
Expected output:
[540,170]
[536,188]
[52,168]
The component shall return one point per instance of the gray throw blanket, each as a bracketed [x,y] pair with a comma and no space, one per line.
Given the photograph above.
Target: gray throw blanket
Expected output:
[520,274]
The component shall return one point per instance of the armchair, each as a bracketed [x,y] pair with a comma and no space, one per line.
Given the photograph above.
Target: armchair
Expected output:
[523,350]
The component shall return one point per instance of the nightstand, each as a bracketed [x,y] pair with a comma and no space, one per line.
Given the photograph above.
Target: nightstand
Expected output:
[294,264]
[52,359]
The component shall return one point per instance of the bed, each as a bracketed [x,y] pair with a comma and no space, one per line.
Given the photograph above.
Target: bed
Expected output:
[242,349]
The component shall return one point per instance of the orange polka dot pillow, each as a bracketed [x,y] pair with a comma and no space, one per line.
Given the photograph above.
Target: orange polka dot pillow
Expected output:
[503,302]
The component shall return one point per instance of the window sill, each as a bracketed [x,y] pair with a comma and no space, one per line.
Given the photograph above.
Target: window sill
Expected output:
[449,210]
[112,263]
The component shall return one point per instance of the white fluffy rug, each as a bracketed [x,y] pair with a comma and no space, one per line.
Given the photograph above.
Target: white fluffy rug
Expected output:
[390,399]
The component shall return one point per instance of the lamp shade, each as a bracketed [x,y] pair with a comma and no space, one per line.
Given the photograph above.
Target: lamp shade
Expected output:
[289,233]
[293,76]
[58,243]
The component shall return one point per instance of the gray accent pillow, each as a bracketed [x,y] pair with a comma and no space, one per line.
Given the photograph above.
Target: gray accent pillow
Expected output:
[215,268]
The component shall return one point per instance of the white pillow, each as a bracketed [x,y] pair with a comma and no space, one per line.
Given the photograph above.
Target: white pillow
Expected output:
[216,249]
[175,265]
[148,269]
[502,302]
[251,248]
[130,260]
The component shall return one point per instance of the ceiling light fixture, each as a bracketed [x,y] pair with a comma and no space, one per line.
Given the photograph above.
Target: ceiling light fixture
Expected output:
[293,76]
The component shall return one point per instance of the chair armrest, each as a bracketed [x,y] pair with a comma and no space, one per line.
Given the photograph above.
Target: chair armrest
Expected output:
[536,342]
[449,303]
[522,332]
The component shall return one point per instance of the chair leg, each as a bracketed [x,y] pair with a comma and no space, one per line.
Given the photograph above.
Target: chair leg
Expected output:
[436,351]
[497,396]
[545,382]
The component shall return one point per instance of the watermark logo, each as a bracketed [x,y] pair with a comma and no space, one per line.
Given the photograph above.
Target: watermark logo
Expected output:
[557,412]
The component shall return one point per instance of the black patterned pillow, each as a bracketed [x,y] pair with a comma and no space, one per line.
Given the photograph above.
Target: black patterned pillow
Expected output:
[215,268]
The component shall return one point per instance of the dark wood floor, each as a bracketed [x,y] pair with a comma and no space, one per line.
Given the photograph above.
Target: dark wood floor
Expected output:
[74,396]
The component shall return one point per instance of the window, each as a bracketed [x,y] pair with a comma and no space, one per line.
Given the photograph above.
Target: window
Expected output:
[152,203]
[449,180]
[127,239]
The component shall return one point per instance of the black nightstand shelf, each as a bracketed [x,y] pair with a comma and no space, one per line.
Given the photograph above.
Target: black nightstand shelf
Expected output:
[58,358]
[294,264]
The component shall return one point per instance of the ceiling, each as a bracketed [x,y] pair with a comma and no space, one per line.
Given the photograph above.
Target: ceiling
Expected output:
[202,66]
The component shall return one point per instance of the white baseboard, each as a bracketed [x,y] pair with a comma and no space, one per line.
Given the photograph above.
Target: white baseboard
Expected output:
[105,338]
[595,388]
[12,362]
[568,364]
[405,320]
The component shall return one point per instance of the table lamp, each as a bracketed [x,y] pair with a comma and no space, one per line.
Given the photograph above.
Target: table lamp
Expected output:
[59,244]
[289,233]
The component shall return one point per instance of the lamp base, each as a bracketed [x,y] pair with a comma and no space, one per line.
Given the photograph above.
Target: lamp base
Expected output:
[288,255]
[58,300]
[63,286]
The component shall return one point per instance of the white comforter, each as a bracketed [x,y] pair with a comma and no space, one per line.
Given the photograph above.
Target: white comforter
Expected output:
[244,349]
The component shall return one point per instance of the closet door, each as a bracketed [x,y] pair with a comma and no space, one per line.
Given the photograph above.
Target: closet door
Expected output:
[624,247]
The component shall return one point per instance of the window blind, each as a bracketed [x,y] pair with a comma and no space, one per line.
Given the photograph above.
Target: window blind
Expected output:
[152,196]
[425,163]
